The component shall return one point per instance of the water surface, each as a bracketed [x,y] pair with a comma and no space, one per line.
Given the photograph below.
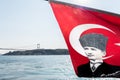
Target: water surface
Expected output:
[52,67]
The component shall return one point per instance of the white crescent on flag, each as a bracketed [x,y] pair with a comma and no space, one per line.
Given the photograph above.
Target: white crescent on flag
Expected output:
[76,33]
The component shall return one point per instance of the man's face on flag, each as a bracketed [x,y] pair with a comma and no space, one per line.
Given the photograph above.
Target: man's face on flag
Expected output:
[94,53]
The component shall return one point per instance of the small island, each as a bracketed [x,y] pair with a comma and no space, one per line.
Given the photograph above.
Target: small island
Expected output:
[40,52]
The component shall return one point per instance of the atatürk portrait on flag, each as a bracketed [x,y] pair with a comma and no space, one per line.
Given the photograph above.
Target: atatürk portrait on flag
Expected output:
[94,45]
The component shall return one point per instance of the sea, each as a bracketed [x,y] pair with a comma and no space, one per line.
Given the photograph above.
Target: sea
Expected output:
[42,67]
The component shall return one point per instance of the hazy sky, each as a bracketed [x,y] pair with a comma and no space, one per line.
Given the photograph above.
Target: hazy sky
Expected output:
[25,23]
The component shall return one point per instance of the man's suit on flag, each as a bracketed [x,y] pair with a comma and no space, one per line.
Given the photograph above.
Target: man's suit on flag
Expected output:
[104,70]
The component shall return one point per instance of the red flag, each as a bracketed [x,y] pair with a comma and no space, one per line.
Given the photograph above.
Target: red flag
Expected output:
[76,21]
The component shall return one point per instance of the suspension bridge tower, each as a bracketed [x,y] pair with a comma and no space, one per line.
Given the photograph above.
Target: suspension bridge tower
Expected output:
[38,46]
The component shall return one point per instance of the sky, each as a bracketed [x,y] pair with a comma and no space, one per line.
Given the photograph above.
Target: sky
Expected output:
[26,23]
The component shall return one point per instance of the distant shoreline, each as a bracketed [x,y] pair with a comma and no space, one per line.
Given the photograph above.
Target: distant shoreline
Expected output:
[39,52]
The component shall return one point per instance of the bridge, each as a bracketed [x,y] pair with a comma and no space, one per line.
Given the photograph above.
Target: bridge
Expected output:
[37,46]
[12,49]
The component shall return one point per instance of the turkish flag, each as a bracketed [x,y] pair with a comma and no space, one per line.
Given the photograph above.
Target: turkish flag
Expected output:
[75,21]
